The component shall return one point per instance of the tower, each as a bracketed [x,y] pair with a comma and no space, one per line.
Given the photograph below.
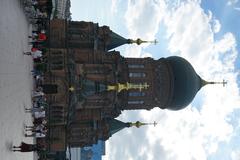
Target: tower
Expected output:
[88,133]
[86,35]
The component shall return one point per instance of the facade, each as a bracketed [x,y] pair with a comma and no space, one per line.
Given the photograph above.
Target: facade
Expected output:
[88,84]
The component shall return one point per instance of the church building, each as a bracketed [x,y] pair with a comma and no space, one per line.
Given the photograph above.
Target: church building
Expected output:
[88,84]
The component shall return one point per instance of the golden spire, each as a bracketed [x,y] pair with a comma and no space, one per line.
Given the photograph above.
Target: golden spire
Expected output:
[139,41]
[206,83]
[139,124]
[127,86]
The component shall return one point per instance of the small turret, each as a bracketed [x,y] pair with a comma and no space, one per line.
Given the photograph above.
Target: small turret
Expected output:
[116,125]
[116,40]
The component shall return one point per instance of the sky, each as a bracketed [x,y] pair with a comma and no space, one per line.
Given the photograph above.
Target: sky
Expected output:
[206,33]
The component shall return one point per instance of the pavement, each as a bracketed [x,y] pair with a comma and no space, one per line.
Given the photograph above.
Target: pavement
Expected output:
[16,82]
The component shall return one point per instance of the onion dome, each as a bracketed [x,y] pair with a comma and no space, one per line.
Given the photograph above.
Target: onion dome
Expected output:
[184,83]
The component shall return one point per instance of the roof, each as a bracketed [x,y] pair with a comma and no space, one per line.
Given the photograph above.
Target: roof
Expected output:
[116,41]
[116,125]
[186,83]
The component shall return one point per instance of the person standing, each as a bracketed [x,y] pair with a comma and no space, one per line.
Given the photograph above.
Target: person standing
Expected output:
[34,109]
[25,147]
[34,53]
[41,114]
[37,135]
[38,129]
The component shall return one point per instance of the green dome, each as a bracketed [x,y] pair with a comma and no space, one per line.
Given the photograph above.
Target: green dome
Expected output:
[185,83]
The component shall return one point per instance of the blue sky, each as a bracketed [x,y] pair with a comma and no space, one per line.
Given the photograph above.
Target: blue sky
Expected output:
[206,33]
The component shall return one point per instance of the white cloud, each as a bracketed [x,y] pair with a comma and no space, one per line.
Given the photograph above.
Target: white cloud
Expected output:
[231,2]
[133,51]
[113,7]
[237,8]
[235,155]
[190,133]
[216,26]
[187,27]
[142,18]
[191,36]
[142,21]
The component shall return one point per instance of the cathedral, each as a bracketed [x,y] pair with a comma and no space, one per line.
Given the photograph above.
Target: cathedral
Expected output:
[88,84]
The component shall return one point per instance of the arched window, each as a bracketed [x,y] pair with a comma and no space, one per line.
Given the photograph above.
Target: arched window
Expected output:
[137,74]
[136,102]
[57,61]
[135,66]
[136,94]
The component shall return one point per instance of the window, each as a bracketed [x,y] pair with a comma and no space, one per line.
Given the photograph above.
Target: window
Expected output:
[136,94]
[57,53]
[57,59]
[79,36]
[98,70]
[136,102]
[137,74]
[57,67]
[57,62]
[135,66]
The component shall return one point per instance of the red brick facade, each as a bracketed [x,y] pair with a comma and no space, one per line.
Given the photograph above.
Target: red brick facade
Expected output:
[78,59]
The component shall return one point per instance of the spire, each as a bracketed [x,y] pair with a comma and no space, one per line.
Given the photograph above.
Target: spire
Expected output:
[116,40]
[116,125]
[139,124]
[127,86]
[203,82]
[139,41]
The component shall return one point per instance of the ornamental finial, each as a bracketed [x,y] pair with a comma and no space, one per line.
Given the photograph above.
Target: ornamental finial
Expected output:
[211,82]
[139,41]
[139,124]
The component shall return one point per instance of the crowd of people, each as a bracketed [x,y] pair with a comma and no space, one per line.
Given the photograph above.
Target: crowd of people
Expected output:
[37,13]
[36,10]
